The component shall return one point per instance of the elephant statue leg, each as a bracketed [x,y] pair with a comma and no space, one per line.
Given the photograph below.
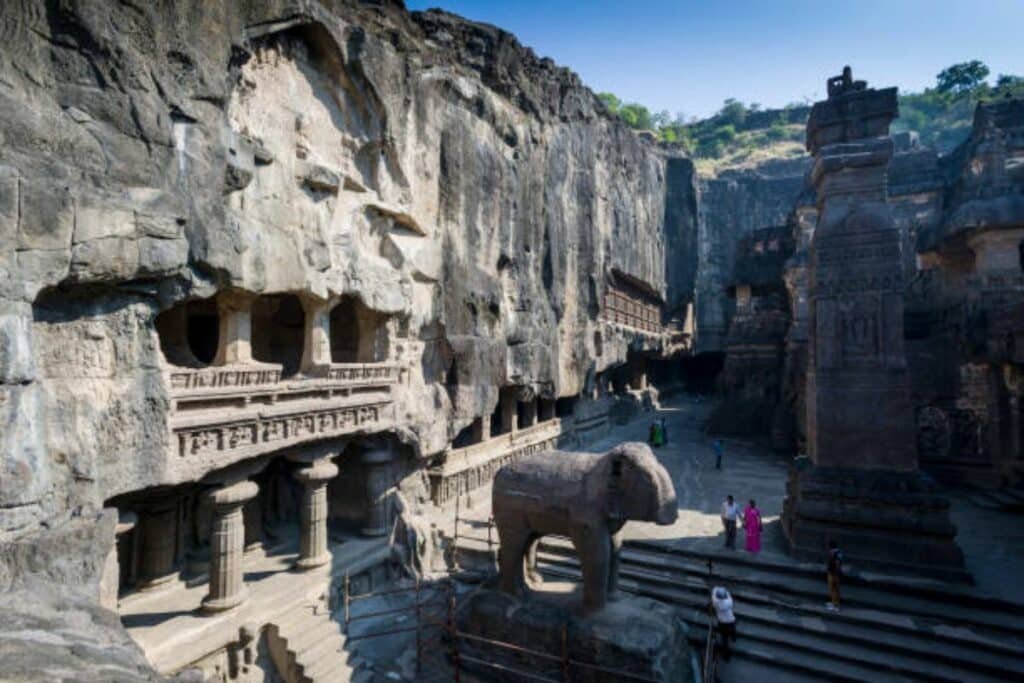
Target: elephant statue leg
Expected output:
[613,563]
[593,546]
[515,541]
[533,577]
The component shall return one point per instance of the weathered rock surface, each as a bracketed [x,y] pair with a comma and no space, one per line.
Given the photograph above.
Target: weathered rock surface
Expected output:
[431,167]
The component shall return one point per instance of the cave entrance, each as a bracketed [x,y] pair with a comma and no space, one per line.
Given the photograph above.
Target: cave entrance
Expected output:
[278,331]
[358,334]
[189,333]
[700,373]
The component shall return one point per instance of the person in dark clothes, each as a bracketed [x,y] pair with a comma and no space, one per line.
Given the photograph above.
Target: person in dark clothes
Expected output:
[725,620]
[834,569]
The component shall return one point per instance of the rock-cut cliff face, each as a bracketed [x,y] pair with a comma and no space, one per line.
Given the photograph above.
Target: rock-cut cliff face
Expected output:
[453,184]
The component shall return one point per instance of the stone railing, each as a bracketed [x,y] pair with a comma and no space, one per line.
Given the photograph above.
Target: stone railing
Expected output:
[200,379]
[227,386]
[473,467]
[223,414]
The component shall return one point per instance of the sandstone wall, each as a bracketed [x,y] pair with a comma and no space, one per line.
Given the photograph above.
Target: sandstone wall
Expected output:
[434,169]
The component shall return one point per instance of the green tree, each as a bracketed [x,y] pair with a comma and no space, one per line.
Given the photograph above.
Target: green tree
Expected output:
[636,116]
[611,101]
[962,77]
[1009,80]
[732,112]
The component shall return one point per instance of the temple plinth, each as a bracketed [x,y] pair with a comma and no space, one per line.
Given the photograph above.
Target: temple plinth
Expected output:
[862,487]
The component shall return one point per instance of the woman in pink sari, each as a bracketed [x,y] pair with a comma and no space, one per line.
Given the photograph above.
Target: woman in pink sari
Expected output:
[752,525]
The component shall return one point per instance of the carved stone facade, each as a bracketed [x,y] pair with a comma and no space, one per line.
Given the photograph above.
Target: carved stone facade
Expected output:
[861,487]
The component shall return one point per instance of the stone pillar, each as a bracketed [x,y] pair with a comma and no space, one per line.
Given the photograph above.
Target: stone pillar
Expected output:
[110,579]
[862,487]
[234,344]
[157,533]
[313,550]
[378,479]
[316,350]
[227,546]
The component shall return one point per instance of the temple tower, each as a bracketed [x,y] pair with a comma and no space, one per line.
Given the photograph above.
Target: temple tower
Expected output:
[862,486]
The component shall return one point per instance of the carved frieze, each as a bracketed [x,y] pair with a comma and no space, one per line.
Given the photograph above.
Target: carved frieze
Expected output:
[271,431]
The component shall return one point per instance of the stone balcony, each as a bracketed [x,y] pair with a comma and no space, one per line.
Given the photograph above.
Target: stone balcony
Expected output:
[220,415]
[470,469]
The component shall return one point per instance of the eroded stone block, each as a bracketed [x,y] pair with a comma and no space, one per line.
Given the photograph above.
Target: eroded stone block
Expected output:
[47,216]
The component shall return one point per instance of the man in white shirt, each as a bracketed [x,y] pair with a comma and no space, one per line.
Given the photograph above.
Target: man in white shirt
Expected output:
[730,513]
[725,620]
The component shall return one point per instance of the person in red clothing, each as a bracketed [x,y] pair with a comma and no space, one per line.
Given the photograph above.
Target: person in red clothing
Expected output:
[752,525]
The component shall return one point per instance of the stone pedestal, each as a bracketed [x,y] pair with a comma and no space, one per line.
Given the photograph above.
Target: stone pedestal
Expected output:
[630,636]
[313,515]
[157,533]
[861,486]
[378,481]
[227,546]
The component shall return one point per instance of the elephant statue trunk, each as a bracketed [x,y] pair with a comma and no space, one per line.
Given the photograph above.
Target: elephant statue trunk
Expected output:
[587,498]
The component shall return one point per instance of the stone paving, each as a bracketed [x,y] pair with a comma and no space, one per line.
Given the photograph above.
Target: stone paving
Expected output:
[993,541]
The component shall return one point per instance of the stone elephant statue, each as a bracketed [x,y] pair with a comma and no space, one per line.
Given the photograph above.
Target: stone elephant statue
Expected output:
[583,496]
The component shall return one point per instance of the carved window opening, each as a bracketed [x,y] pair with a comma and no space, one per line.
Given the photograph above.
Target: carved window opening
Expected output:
[279,331]
[527,413]
[505,417]
[189,333]
[566,407]
[358,334]
[496,422]
[545,409]
[468,436]
[598,343]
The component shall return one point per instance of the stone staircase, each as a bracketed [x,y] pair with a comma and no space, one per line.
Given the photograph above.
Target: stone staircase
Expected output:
[1004,500]
[889,629]
[307,646]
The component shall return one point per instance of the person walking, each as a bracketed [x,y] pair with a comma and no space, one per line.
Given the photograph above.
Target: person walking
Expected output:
[834,569]
[716,446]
[730,513]
[725,620]
[664,431]
[752,525]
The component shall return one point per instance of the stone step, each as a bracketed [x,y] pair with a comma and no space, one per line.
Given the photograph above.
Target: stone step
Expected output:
[809,667]
[817,647]
[330,665]
[327,641]
[313,635]
[874,612]
[927,599]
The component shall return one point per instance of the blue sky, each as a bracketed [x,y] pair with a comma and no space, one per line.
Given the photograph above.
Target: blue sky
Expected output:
[688,56]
